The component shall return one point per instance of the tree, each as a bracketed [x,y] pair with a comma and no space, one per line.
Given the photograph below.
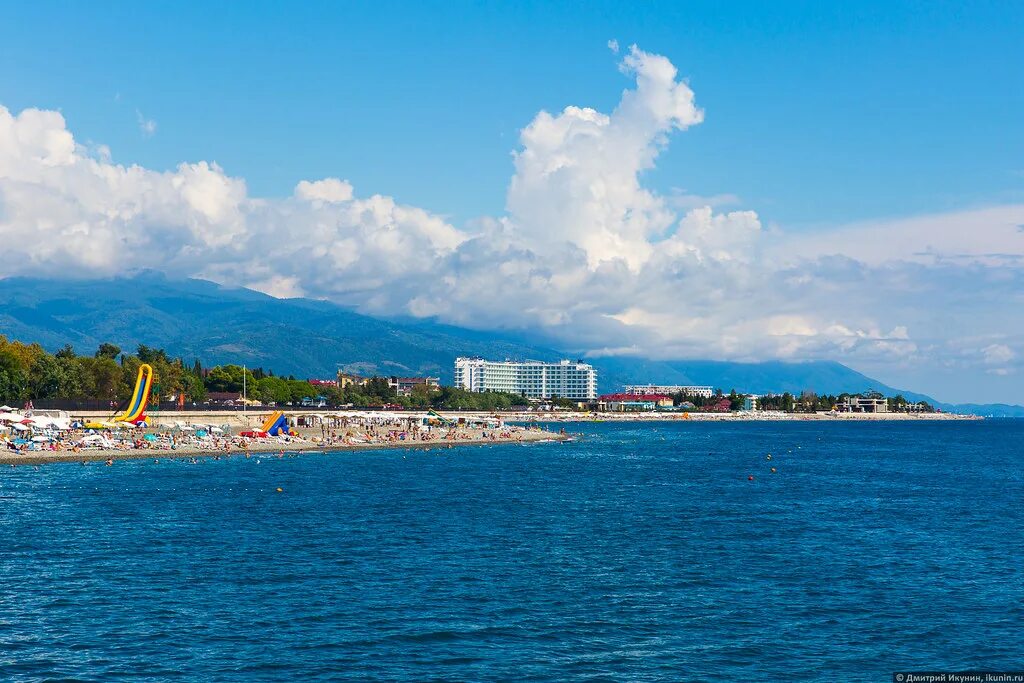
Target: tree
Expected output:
[735,401]
[13,380]
[229,378]
[107,350]
[378,387]
[57,376]
[67,352]
[151,355]
[101,377]
[193,388]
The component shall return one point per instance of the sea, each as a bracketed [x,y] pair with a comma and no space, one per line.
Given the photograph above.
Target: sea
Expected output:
[637,552]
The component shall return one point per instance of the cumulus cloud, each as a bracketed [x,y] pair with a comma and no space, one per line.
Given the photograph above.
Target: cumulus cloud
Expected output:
[330,190]
[584,250]
[577,175]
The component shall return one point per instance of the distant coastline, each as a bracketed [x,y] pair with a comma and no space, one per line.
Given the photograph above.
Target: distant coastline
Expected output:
[739,416]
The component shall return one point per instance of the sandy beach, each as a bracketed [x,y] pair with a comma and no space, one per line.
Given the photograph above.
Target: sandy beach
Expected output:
[738,416]
[272,447]
[374,431]
[199,436]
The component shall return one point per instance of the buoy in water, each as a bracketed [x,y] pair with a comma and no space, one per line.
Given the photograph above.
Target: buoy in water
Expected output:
[279,489]
[773,469]
[750,478]
[769,457]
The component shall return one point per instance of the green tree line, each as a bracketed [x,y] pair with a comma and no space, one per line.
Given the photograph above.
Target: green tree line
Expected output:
[28,372]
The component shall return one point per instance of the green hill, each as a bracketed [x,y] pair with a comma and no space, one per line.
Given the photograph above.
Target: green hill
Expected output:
[305,338]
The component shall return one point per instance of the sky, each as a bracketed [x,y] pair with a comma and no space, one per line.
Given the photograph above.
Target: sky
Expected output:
[740,181]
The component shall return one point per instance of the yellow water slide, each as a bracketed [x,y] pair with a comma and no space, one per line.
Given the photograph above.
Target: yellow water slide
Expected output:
[140,397]
[271,420]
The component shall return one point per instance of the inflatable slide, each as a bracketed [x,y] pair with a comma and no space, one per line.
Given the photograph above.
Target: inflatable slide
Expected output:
[136,412]
[276,424]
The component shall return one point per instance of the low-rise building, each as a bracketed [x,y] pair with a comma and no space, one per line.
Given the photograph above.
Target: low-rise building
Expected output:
[671,389]
[631,403]
[348,380]
[224,398]
[403,386]
[860,404]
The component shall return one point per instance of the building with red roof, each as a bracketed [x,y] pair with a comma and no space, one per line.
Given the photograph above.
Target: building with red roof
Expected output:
[625,403]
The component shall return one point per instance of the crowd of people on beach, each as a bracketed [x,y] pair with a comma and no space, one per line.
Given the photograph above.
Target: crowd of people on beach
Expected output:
[38,434]
[351,431]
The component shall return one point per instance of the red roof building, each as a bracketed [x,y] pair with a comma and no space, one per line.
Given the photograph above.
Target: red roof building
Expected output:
[622,402]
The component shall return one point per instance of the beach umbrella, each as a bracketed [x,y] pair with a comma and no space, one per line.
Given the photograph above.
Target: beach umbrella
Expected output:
[19,427]
[40,438]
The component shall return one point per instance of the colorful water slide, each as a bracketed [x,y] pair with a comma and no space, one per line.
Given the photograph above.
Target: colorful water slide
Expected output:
[136,411]
[439,416]
[271,421]
[280,427]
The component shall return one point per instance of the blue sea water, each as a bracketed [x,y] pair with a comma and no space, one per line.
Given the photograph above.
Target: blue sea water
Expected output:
[639,552]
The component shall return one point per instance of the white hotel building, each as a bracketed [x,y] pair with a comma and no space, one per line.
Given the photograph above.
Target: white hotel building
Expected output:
[533,379]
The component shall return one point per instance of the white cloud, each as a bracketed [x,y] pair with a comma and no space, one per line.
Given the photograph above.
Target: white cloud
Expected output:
[330,190]
[996,354]
[585,251]
[146,126]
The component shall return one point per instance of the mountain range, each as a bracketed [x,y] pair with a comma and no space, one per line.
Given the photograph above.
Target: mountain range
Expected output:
[199,319]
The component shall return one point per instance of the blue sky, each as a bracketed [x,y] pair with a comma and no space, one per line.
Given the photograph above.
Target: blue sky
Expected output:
[817,112]
[754,180]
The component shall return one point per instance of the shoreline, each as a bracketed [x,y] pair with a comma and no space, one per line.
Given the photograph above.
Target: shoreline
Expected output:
[8,458]
[533,418]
